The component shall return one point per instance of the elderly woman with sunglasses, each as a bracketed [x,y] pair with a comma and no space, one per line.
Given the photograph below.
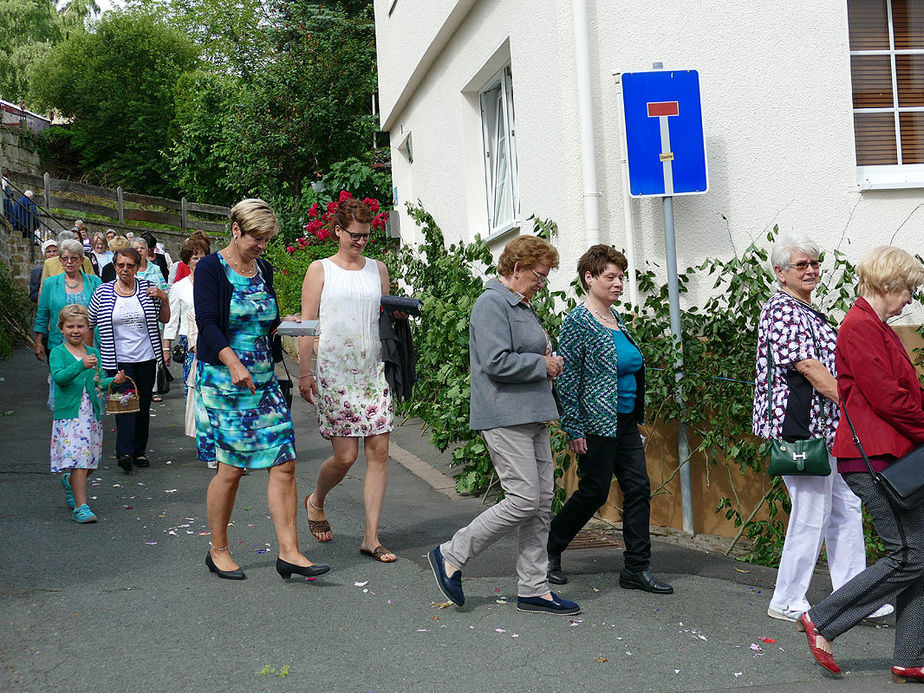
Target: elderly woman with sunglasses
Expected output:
[795,398]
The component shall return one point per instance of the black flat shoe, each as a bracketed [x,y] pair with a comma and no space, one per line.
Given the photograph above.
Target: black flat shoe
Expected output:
[643,580]
[286,569]
[125,462]
[556,575]
[142,461]
[236,574]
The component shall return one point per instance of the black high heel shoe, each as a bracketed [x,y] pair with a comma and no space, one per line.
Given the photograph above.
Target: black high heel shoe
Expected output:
[286,569]
[236,574]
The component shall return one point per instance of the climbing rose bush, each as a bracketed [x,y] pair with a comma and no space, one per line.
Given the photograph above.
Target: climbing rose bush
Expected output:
[318,229]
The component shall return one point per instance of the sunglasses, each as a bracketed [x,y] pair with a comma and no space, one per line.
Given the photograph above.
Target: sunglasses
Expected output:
[804,265]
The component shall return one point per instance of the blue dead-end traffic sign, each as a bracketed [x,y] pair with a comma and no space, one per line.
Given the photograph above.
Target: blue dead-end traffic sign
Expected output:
[665,144]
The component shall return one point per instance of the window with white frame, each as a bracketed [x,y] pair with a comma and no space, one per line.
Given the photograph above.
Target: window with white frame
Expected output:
[887,74]
[500,153]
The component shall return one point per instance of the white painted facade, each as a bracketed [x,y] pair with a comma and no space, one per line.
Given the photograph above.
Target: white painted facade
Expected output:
[777,103]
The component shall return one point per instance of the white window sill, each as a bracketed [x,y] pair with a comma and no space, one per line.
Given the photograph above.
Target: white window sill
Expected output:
[890,177]
[502,231]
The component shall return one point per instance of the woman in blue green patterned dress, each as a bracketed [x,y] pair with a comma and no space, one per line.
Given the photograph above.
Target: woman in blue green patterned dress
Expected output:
[242,420]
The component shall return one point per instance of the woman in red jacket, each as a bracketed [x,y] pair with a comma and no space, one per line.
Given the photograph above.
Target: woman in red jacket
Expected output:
[880,390]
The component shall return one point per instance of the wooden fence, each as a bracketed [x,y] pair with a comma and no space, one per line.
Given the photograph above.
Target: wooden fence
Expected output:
[81,200]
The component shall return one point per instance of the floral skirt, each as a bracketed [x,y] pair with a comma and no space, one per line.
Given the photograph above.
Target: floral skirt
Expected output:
[77,443]
[354,405]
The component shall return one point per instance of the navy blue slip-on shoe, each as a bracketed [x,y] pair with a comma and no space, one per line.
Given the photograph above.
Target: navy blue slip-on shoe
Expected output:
[556,605]
[450,586]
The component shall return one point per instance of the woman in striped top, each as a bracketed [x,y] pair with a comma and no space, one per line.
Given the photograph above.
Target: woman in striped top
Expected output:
[125,312]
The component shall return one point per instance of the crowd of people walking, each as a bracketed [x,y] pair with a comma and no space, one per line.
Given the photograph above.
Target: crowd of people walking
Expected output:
[217,313]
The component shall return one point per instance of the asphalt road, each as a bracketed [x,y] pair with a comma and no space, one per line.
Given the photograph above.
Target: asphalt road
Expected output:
[128,604]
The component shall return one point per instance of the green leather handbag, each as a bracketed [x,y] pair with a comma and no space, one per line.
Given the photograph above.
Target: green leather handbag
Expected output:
[800,457]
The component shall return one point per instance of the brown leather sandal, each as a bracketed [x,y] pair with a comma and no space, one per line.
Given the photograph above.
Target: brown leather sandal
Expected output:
[379,553]
[318,528]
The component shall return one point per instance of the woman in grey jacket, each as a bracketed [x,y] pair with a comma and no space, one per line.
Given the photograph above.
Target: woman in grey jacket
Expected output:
[512,365]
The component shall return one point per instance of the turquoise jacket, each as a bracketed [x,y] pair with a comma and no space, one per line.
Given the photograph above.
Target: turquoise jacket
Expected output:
[52,300]
[71,379]
[587,385]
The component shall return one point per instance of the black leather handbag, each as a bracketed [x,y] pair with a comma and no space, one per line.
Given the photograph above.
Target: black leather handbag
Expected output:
[902,482]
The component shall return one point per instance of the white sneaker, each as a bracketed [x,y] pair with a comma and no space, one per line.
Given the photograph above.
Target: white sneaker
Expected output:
[882,612]
[791,615]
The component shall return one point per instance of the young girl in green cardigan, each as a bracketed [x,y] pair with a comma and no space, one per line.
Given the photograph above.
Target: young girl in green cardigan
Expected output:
[77,432]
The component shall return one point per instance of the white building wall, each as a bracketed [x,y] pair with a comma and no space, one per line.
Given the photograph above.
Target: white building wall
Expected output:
[777,106]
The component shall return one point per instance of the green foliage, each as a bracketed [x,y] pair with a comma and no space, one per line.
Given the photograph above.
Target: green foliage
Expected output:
[354,174]
[117,84]
[199,155]
[309,105]
[28,31]
[15,314]
[448,281]
[229,35]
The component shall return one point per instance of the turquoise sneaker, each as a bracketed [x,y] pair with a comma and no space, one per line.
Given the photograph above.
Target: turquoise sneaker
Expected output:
[68,490]
[84,515]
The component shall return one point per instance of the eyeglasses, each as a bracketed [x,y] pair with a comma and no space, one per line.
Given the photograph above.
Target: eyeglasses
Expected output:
[541,278]
[125,265]
[355,237]
[804,265]
[69,258]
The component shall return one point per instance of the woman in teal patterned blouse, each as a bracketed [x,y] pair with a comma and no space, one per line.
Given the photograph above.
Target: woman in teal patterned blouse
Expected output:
[602,389]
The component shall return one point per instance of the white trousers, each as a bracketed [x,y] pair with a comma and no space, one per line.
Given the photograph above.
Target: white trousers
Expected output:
[824,509]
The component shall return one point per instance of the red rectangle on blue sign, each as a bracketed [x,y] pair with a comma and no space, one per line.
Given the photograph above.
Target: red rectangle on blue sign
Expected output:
[663,108]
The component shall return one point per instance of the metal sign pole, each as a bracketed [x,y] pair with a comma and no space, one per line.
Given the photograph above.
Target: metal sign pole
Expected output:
[673,294]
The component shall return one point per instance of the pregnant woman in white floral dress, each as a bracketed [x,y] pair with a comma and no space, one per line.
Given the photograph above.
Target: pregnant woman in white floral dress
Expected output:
[354,401]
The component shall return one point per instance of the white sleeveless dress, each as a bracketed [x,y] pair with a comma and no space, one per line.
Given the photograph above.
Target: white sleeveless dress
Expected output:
[354,399]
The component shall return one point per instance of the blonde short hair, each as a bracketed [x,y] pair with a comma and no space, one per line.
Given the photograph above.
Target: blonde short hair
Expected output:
[528,251]
[119,243]
[888,268]
[255,218]
[72,311]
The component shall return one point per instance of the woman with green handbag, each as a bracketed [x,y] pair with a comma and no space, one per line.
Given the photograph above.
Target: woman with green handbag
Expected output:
[795,401]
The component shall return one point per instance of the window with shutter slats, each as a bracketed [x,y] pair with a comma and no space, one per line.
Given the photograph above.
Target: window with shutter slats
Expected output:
[887,78]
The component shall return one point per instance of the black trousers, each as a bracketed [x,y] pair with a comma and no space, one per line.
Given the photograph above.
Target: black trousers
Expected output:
[623,456]
[132,429]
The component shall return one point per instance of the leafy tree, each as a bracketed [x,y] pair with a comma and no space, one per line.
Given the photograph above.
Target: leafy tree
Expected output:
[28,30]
[229,33]
[199,153]
[309,106]
[117,85]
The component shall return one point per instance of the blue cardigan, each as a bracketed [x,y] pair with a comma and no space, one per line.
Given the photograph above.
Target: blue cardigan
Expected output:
[212,294]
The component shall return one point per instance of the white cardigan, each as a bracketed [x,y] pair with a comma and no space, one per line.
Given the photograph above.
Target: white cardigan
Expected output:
[181,303]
